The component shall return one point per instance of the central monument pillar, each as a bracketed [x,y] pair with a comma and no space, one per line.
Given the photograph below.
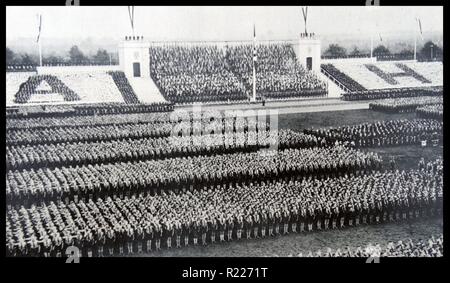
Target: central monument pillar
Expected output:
[309,52]
[134,57]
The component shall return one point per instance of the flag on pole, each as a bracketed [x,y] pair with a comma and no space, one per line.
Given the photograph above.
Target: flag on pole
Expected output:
[255,58]
[420,27]
[381,39]
[39,27]
[131,14]
[305,16]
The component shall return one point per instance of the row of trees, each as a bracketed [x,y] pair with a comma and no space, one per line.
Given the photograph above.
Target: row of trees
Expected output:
[75,56]
[428,52]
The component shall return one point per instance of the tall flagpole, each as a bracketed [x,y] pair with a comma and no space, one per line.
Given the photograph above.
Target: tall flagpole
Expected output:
[415,45]
[40,53]
[371,45]
[39,16]
[131,15]
[254,63]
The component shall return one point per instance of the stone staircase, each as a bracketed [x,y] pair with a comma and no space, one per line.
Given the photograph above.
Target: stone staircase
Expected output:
[146,90]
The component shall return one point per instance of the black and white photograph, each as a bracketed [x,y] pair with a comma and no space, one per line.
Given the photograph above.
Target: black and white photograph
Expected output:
[224,131]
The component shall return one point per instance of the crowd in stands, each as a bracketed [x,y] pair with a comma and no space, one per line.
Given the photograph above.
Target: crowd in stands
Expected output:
[342,78]
[209,74]
[85,120]
[124,87]
[278,73]
[404,105]
[83,153]
[432,247]
[393,93]
[13,82]
[193,74]
[383,133]
[28,88]
[142,222]
[431,111]
[151,175]
[20,68]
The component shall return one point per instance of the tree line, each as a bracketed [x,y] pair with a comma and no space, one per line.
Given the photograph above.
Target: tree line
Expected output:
[74,57]
[429,51]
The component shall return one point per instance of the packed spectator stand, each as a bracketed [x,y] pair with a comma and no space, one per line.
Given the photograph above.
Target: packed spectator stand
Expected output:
[187,74]
[193,74]
[383,133]
[129,97]
[278,72]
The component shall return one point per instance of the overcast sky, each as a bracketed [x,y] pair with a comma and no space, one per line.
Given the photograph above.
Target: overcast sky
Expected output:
[215,23]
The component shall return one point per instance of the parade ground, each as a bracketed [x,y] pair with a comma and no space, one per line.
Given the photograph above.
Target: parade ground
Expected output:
[293,244]
[407,156]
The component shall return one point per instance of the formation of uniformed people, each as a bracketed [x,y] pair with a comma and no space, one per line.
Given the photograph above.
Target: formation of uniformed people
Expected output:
[124,87]
[392,93]
[103,179]
[403,105]
[189,74]
[432,247]
[142,223]
[28,88]
[431,111]
[382,133]
[83,153]
[65,134]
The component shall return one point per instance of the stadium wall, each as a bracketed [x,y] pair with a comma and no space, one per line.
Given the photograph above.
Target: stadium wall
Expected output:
[365,60]
[76,69]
